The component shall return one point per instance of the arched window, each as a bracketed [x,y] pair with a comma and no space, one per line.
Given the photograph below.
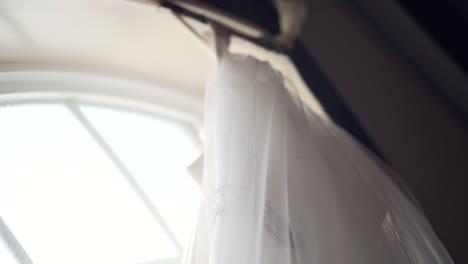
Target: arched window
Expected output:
[88,178]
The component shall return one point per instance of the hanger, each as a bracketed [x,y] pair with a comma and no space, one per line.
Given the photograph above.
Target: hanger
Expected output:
[221,39]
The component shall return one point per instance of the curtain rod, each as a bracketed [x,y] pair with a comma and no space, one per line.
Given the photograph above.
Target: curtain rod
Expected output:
[266,40]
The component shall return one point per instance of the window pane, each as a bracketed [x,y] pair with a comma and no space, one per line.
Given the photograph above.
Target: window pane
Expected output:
[63,198]
[157,152]
[6,256]
[11,251]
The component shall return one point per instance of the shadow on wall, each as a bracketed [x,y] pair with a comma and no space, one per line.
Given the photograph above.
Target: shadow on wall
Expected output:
[415,131]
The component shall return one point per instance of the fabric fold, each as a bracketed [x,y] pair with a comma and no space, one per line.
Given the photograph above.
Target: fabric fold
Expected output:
[282,185]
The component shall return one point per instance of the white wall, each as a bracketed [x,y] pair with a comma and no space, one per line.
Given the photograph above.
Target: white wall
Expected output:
[128,39]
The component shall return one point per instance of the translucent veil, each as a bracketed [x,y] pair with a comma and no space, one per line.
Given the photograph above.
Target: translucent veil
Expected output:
[283,185]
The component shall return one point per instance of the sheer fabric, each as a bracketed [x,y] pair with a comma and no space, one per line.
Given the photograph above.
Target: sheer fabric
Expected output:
[282,185]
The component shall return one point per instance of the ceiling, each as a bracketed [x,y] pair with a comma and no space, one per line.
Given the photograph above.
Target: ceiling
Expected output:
[128,39]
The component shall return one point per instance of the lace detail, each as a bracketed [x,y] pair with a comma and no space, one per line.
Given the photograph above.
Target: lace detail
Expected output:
[277,226]
[225,198]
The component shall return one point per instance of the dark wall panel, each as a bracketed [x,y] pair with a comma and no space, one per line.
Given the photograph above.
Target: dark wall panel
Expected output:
[413,128]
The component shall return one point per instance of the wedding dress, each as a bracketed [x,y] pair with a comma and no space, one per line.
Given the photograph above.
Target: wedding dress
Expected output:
[283,185]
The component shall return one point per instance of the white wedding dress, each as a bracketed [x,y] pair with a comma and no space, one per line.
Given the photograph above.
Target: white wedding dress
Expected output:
[282,185]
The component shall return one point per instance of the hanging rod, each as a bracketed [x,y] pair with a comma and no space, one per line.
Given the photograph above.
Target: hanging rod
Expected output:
[208,15]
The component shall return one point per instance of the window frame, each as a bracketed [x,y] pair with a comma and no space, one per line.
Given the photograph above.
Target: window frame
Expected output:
[73,88]
[18,86]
